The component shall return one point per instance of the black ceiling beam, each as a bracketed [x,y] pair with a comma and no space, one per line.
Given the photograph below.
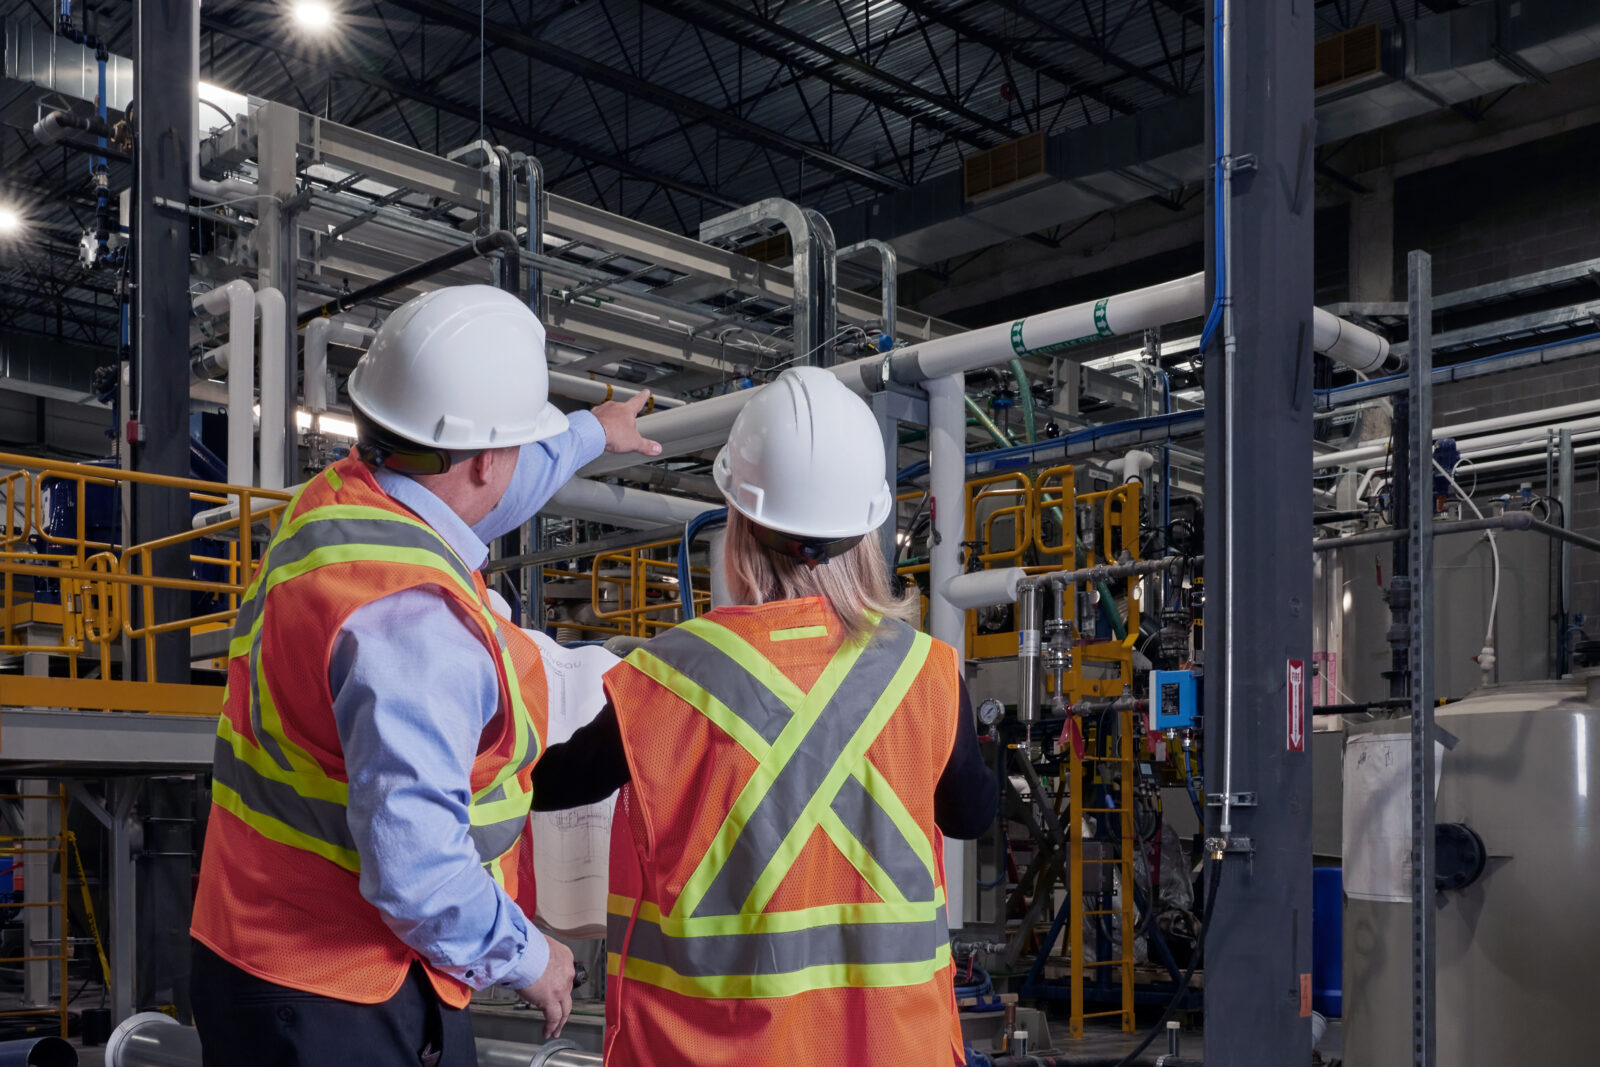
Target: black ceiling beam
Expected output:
[1091,46]
[423,95]
[1193,12]
[465,21]
[688,12]
[1028,57]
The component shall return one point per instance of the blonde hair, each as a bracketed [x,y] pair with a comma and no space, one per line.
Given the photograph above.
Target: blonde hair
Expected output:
[855,583]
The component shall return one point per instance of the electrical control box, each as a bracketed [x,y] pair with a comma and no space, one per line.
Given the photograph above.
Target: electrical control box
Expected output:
[1174,700]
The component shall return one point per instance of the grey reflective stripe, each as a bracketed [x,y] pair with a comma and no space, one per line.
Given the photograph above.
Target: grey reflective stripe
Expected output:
[879,835]
[800,778]
[716,955]
[719,674]
[321,819]
[324,533]
[264,737]
[496,839]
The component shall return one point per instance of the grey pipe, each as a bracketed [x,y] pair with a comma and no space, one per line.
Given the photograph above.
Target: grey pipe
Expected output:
[1511,520]
[557,1053]
[37,1052]
[889,276]
[151,1039]
[1112,571]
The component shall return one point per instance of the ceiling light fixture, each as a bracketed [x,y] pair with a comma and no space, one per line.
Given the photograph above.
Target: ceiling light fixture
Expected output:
[10,222]
[313,14]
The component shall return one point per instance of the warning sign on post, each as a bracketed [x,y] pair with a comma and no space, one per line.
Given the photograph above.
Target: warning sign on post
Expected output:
[1297,705]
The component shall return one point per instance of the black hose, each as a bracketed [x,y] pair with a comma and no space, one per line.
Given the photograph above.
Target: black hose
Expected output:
[498,241]
[1188,974]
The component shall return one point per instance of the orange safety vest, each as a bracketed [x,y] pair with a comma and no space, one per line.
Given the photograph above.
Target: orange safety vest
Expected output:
[279,892]
[777,881]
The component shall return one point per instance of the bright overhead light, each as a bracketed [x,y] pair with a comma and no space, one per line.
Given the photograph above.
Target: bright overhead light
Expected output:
[312,14]
[10,221]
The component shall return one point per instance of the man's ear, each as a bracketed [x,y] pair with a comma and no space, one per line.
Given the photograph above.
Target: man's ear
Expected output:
[480,468]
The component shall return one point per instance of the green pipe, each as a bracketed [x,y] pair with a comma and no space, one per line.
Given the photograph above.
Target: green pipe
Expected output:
[1025,398]
[988,424]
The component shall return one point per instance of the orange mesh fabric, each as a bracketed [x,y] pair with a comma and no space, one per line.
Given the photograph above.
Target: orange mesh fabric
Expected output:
[686,776]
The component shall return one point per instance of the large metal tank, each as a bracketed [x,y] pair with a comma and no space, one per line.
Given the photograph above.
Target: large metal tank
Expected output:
[1517,949]
[1351,616]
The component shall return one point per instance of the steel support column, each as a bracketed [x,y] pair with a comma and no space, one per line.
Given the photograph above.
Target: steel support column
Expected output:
[1258,572]
[1419,448]
[163,30]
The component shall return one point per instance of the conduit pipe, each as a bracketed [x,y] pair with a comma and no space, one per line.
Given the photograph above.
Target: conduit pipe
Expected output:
[239,301]
[1543,417]
[277,416]
[947,622]
[592,390]
[582,498]
[695,426]
[320,333]
[228,188]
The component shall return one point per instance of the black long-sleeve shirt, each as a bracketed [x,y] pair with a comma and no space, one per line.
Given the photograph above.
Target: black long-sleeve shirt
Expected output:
[592,764]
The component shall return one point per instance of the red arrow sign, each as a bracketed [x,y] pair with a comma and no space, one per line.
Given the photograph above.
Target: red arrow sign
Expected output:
[1297,705]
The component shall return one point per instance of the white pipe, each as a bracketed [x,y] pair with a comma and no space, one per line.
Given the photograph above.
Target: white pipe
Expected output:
[947,622]
[1345,342]
[276,418]
[980,589]
[693,426]
[1131,466]
[1379,449]
[585,499]
[239,301]
[1523,461]
[592,390]
[229,188]
[320,333]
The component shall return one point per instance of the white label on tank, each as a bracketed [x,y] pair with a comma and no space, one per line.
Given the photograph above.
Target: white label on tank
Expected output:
[1377,815]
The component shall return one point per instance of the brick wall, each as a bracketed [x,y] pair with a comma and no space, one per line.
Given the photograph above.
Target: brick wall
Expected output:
[1504,214]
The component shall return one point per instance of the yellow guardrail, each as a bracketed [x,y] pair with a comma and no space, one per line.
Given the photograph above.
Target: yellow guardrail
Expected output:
[107,592]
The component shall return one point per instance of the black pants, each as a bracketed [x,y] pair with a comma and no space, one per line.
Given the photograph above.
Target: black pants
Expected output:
[245,1021]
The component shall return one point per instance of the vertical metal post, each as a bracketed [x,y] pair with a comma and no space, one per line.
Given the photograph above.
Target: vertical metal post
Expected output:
[1564,479]
[1419,286]
[889,429]
[1258,590]
[120,794]
[162,32]
[36,828]
[947,471]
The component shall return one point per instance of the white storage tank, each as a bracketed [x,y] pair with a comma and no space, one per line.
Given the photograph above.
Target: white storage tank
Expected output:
[1518,948]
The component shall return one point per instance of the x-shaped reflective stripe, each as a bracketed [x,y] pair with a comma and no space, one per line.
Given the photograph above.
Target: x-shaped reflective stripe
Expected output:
[813,769]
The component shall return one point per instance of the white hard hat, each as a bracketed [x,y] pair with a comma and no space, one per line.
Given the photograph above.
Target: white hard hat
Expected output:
[460,368]
[805,458]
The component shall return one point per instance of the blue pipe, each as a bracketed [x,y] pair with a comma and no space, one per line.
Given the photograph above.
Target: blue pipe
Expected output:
[1023,453]
[1218,173]
[1466,363]
[691,529]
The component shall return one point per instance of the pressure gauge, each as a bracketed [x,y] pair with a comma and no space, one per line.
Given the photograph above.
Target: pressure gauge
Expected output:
[991,711]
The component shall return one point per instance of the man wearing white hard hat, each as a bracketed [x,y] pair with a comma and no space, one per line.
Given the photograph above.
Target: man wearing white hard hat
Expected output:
[366,865]
[790,767]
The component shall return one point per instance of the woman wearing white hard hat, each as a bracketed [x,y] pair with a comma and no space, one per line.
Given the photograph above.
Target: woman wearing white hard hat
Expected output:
[366,867]
[790,768]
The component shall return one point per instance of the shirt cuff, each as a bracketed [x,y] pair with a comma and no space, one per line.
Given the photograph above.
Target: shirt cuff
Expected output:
[529,967]
[588,436]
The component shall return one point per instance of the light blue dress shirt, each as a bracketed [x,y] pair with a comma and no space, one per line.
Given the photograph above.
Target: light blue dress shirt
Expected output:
[413,689]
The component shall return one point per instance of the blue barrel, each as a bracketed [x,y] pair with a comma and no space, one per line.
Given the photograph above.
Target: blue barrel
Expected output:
[1327,940]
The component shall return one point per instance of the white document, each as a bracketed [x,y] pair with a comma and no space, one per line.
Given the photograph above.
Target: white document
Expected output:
[570,848]
[1377,815]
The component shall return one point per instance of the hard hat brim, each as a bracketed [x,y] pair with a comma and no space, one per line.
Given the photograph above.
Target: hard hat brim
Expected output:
[551,421]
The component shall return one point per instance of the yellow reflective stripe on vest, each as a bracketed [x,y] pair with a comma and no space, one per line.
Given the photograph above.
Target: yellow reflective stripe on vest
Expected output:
[717,941]
[773,922]
[715,861]
[764,986]
[284,834]
[339,533]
